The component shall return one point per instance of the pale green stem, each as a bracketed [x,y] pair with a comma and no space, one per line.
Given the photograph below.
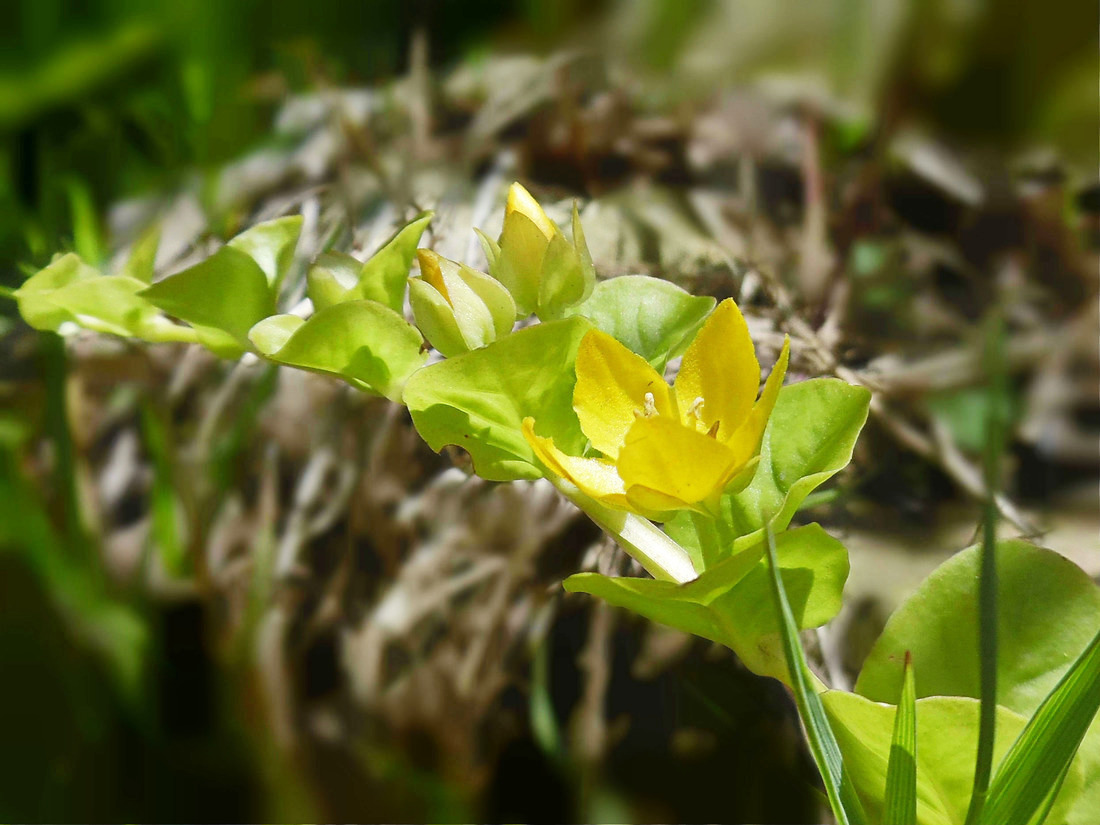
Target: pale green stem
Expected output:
[662,557]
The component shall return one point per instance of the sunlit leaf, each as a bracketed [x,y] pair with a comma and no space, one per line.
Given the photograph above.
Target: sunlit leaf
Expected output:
[1040,758]
[900,807]
[730,603]
[810,437]
[477,401]
[271,245]
[947,740]
[367,344]
[227,291]
[1049,613]
[647,315]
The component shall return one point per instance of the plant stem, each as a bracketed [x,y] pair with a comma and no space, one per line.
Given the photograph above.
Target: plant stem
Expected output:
[662,557]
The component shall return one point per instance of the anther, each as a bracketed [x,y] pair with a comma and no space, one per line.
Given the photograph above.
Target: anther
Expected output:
[650,405]
[713,431]
[696,406]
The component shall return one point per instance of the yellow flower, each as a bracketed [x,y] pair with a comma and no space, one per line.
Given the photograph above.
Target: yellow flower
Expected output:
[545,273]
[668,448]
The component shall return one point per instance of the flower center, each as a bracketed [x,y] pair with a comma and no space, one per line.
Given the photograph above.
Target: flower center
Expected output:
[649,409]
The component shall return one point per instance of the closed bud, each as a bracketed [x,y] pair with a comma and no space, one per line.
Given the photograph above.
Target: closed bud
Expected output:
[458,308]
[544,271]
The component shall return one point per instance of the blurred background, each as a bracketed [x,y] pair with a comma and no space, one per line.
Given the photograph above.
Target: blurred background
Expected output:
[232,593]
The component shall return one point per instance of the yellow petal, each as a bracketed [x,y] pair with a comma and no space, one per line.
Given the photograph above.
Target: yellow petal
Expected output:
[594,477]
[745,440]
[720,367]
[663,455]
[612,383]
[520,200]
[519,264]
[431,271]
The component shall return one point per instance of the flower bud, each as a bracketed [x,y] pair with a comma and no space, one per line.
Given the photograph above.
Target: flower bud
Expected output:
[545,273]
[458,308]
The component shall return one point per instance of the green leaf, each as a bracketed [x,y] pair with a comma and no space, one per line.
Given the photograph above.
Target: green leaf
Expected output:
[809,438]
[227,291]
[901,772]
[1049,613]
[33,297]
[338,277]
[946,747]
[271,245]
[332,276]
[1041,755]
[70,291]
[823,745]
[141,262]
[477,401]
[725,604]
[382,278]
[367,344]
[649,316]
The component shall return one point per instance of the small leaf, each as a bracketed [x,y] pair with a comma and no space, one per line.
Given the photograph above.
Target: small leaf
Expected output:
[271,245]
[900,807]
[477,401]
[367,344]
[141,262]
[227,291]
[382,278]
[648,316]
[33,296]
[332,276]
[1041,755]
[271,334]
[724,604]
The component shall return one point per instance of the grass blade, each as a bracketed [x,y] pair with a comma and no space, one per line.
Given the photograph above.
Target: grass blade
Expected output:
[901,772]
[823,745]
[1040,756]
[995,428]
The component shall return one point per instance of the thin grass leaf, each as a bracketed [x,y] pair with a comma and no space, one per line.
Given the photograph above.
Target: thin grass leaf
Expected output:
[823,745]
[995,427]
[1038,760]
[901,772]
